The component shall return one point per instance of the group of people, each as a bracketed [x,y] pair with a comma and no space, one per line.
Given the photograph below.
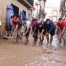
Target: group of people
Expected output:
[43,28]
[39,29]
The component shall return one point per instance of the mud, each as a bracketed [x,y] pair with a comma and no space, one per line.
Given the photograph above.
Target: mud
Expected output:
[28,55]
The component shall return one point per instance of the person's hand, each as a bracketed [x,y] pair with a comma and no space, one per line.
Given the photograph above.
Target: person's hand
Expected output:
[31,32]
[47,33]
[40,35]
[24,34]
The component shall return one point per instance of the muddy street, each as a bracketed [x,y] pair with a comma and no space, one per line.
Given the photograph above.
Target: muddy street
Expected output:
[29,55]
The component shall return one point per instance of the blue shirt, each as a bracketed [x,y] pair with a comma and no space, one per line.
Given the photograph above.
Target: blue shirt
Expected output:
[51,26]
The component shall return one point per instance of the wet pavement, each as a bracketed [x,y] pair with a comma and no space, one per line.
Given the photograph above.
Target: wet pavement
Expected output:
[22,55]
[50,57]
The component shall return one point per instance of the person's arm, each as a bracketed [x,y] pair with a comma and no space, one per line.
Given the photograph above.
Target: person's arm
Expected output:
[38,32]
[62,32]
[57,29]
[42,31]
[31,28]
[26,31]
[31,31]
[43,28]
[16,28]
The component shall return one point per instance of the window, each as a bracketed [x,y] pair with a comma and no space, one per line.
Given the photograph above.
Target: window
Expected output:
[16,10]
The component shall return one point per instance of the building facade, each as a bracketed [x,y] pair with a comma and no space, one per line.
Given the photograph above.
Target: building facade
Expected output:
[39,6]
[52,13]
[42,6]
[24,6]
[52,9]
[63,8]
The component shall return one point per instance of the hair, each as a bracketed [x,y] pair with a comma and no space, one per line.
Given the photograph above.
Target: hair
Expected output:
[12,16]
[60,18]
[47,20]
[16,16]
[43,15]
[33,19]
[24,19]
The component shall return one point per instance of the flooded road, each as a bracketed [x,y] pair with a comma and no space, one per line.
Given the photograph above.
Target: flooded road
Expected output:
[50,57]
[21,55]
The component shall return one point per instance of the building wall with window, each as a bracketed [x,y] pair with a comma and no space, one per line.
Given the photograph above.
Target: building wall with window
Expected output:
[3,6]
[42,4]
[63,8]
[39,6]
[52,13]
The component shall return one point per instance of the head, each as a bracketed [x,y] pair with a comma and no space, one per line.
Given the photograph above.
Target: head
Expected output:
[48,21]
[12,17]
[34,20]
[15,17]
[60,20]
[42,17]
[24,21]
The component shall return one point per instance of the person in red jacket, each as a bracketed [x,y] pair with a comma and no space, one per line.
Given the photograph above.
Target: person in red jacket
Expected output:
[61,29]
[16,23]
[16,28]
[34,29]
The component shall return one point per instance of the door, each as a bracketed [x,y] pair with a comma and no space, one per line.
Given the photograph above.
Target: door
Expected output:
[16,10]
[9,13]
[23,14]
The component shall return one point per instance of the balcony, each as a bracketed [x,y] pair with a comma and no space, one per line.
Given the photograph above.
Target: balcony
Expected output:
[30,2]
[27,3]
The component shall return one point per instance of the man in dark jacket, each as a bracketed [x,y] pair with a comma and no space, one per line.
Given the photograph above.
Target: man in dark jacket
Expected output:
[40,28]
[49,29]
[34,29]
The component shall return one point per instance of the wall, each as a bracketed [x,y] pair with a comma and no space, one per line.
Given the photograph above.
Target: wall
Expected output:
[42,3]
[3,5]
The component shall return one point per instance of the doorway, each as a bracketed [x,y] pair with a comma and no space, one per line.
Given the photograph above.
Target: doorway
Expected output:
[16,10]
[24,12]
